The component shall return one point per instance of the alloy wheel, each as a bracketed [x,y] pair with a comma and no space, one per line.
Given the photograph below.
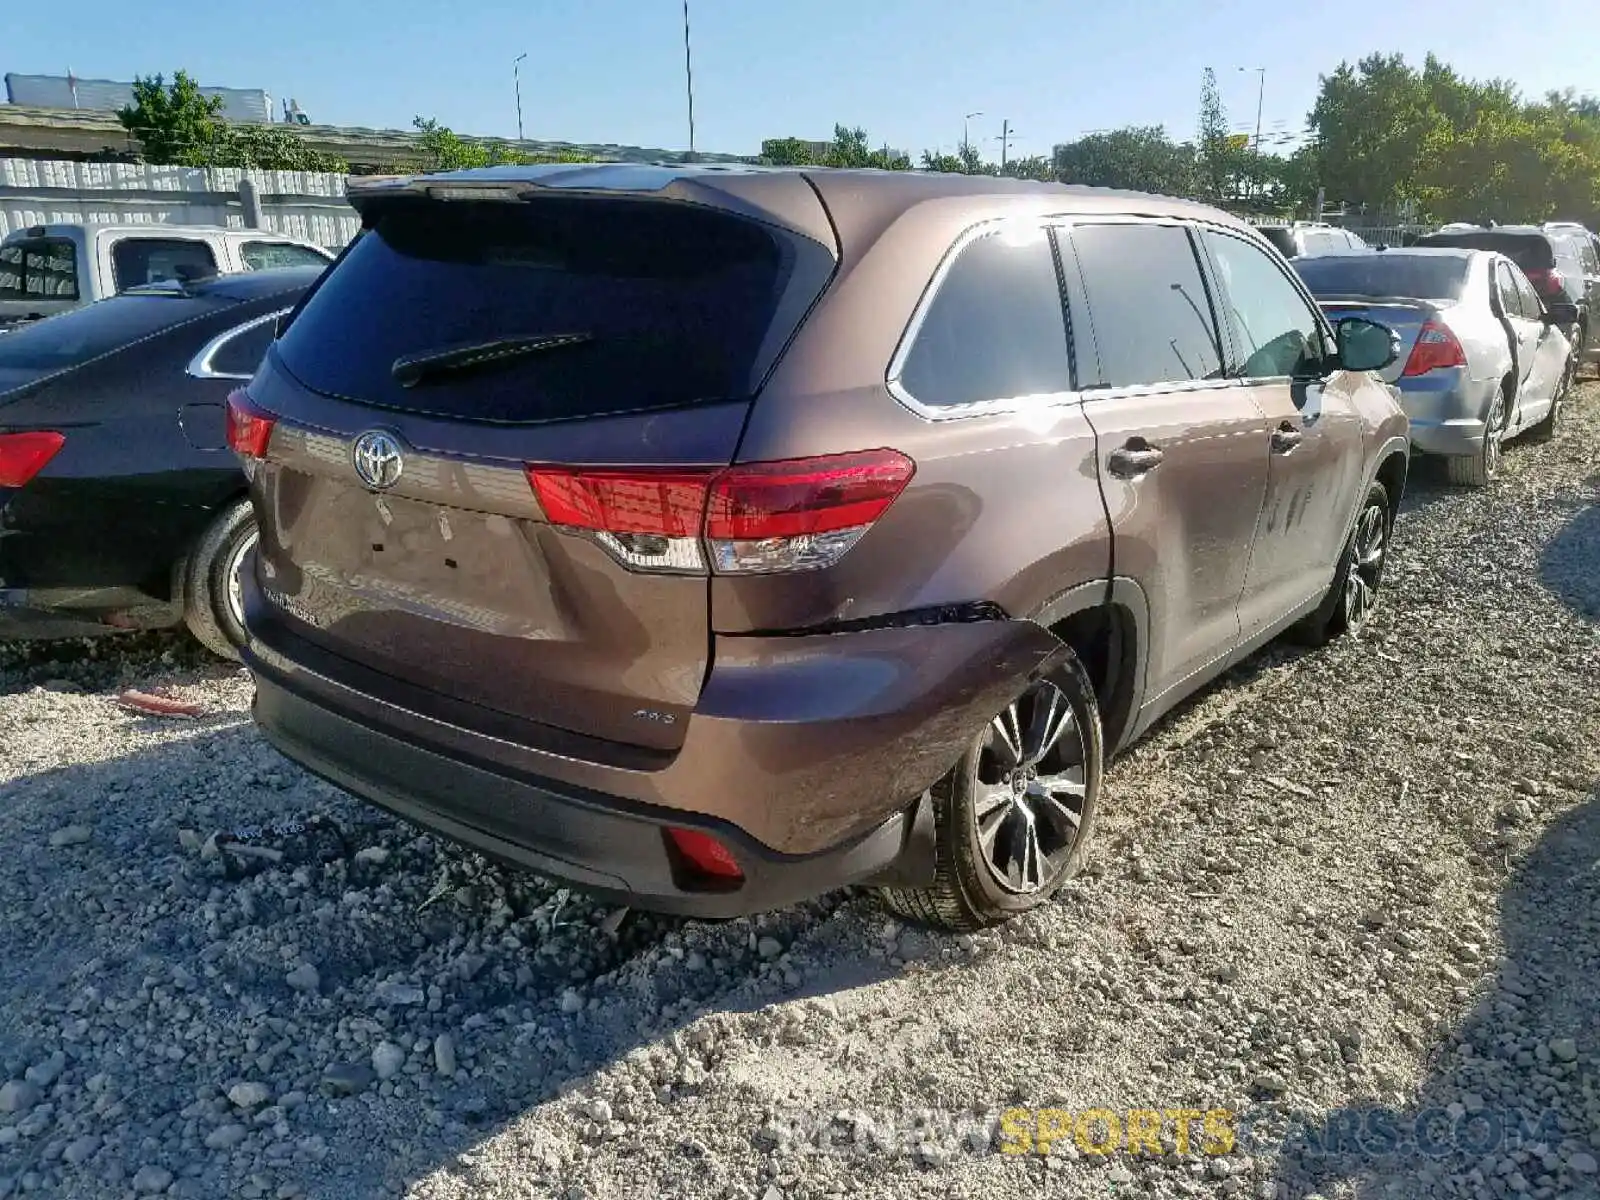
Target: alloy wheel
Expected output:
[1031,789]
[1367,550]
[1494,435]
[232,571]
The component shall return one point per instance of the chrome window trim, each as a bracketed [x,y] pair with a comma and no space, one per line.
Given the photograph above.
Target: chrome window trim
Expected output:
[200,365]
[993,227]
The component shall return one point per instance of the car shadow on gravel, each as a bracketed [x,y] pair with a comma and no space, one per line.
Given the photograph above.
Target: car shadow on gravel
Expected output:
[1570,565]
[1512,1105]
[140,981]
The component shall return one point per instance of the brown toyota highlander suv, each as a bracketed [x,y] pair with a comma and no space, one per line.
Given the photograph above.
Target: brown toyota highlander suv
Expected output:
[710,538]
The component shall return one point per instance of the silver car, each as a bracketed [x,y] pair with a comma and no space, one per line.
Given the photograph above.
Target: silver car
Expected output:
[1482,357]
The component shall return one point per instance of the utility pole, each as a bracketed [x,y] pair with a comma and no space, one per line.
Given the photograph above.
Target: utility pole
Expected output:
[516,79]
[1005,144]
[688,76]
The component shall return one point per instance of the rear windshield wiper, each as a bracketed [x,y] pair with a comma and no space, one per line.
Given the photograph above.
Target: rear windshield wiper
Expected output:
[411,369]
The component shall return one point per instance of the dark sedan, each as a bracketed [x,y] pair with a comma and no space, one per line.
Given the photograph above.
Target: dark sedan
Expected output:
[121,505]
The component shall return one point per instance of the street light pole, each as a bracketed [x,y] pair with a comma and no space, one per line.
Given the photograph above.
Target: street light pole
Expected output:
[966,141]
[1261,94]
[688,75]
[516,79]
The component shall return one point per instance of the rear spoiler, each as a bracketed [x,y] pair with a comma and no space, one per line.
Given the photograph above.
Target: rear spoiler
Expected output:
[782,199]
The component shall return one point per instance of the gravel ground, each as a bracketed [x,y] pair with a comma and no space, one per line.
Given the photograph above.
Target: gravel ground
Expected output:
[1340,896]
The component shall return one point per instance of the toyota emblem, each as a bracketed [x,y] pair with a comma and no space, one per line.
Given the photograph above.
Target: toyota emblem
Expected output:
[377,458]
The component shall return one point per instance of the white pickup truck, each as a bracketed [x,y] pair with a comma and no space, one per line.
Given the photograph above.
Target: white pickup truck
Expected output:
[47,269]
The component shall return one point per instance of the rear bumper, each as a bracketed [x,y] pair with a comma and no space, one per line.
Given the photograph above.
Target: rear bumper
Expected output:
[592,842]
[1446,410]
[804,757]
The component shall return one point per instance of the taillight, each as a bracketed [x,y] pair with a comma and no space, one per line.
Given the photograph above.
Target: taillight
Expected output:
[1547,282]
[249,427]
[800,514]
[1436,347]
[793,515]
[24,455]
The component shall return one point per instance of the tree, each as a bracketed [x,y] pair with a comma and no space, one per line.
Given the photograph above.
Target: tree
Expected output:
[1139,158]
[1035,166]
[179,126]
[1456,149]
[174,125]
[849,149]
[965,161]
[788,152]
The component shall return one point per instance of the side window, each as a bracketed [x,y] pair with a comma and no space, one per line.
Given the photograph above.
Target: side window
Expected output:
[239,352]
[1505,282]
[267,256]
[994,330]
[1532,306]
[39,268]
[1150,316]
[136,261]
[1591,261]
[1276,332]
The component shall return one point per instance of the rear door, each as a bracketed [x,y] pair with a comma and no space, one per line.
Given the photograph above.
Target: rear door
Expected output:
[461,344]
[1183,450]
[1525,333]
[1551,349]
[1315,442]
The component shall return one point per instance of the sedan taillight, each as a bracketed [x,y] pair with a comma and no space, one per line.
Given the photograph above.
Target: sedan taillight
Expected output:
[1436,347]
[24,455]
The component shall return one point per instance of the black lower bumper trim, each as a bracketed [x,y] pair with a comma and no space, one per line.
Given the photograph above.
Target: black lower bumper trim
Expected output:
[613,849]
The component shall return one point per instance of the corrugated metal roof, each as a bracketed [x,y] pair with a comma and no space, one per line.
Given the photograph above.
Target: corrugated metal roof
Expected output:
[109,95]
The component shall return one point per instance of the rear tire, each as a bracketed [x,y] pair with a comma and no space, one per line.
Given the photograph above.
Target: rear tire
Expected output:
[1008,833]
[1348,602]
[210,587]
[1480,469]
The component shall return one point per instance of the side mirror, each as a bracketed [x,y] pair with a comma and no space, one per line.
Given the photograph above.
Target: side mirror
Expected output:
[1560,312]
[1365,345]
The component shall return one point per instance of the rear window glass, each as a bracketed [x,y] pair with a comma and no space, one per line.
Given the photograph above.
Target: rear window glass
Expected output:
[1385,273]
[39,269]
[1282,239]
[73,338]
[1528,251]
[645,305]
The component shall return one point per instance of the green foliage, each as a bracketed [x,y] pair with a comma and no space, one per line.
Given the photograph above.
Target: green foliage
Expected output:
[179,126]
[269,148]
[173,124]
[1389,135]
[1140,159]
[1036,166]
[446,150]
[788,152]
[849,149]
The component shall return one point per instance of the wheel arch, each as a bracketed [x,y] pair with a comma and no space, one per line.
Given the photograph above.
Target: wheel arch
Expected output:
[1106,624]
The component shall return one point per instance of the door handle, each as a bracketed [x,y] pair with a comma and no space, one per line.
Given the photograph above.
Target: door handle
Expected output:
[1134,459]
[1285,438]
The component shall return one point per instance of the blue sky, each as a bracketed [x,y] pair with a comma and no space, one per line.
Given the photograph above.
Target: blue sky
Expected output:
[907,70]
